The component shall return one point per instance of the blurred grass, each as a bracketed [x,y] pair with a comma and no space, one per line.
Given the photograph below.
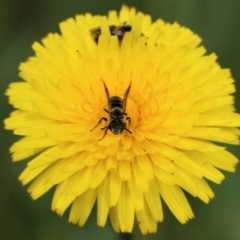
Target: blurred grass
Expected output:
[24,21]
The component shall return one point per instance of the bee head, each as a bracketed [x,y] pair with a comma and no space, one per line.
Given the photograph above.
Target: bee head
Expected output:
[116,126]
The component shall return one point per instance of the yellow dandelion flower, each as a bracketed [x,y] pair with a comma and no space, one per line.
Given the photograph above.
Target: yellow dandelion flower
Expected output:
[166,105]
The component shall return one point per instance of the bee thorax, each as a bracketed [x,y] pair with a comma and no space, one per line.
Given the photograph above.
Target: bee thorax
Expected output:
[116,114]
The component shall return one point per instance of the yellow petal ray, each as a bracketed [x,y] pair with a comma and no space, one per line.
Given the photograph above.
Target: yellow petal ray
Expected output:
[235,131]
[122,215]
[111,149]
[113,216]
[112,18]
[103,202]
[126,48]
[99,154]
[138,149]
[195,54]
[67,191]
[137,28]
[205,193]
[115,188]
[176,201]
[48,60]
[126,14]
[181,160]
[213,134]
[52,154]
[27,70]
[217,159]
[125,210]
[152,199]
[20,118]
[112,164]
[48,110]
[24,153]
[186,182]
[217,118]
[29,174]
[136,195]
[146,222]
[21,104]
[125,170]
[99,172]
[148,146]
[32,142]
[193,144]
[163,162]
[140,178]
[114,53]
[146,23]
[163,176]
[71,33]
[122,154]
[57,131]
[54,174]
[39,186]
[145,166]
[87,43]
[21,92]
[209,171]
[127,142]
[50,90]
[82,207]
[25,131]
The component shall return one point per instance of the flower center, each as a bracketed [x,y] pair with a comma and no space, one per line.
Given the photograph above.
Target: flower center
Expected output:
[134,112]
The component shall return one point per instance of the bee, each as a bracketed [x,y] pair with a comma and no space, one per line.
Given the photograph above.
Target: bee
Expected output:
[117,113]
[119,31]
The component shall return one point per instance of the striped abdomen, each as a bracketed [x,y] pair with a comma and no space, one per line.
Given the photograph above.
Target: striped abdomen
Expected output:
[115,102]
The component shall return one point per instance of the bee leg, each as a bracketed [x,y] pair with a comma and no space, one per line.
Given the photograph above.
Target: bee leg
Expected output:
[100,120]
[105,133]
[125,127]
[106,110]
[129,120]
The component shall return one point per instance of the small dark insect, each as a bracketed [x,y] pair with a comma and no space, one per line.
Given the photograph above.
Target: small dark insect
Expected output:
[119,31]
[117,116]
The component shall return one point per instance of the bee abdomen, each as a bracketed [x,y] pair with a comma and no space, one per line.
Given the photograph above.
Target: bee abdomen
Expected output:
[116,102]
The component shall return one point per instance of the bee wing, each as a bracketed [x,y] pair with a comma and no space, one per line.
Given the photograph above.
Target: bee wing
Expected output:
[108,95]
[119,30]
[126,96]
[95,33]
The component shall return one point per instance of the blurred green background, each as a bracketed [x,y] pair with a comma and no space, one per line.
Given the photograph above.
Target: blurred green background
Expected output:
[24,21]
